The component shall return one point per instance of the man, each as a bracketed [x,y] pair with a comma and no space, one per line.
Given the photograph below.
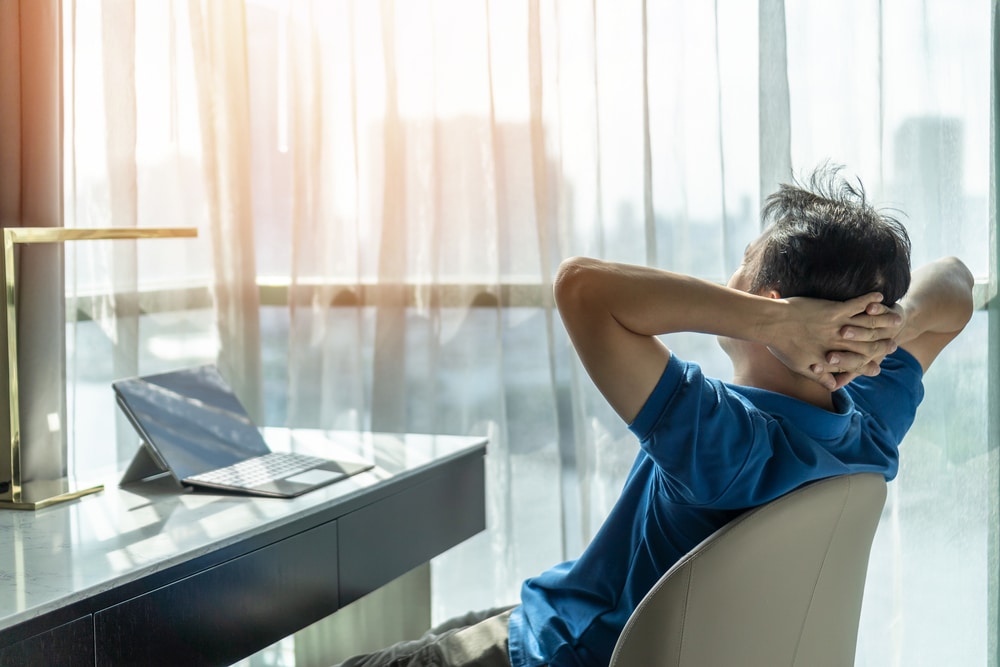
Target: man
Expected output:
[811,323]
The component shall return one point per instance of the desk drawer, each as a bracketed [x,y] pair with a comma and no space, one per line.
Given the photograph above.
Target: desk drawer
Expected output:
[386,539]
[68,645]
[228,611]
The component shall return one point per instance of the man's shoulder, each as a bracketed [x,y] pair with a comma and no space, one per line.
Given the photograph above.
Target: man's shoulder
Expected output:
[684,388]
[900,375]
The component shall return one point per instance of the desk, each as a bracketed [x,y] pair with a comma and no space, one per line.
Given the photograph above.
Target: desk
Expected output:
[149,574]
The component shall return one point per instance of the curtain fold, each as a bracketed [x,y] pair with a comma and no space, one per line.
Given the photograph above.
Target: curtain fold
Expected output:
[390,352]
[119,309]
[324,376]
[775,106]
[220,64]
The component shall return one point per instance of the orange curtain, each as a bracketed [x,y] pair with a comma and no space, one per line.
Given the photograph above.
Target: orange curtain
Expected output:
[31,195]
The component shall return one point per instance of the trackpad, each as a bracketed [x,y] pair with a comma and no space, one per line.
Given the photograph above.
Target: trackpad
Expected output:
[314,476]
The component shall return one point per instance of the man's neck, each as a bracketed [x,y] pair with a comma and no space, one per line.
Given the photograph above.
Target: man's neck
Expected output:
[755,366]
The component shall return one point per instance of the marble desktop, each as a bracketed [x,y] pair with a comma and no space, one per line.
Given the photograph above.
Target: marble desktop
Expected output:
[58,555]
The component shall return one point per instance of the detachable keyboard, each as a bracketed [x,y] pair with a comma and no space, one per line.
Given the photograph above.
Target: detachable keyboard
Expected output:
[260,470]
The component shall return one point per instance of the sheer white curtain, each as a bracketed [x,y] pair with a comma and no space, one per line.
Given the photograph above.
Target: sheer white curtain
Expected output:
[414,172]
[155,134]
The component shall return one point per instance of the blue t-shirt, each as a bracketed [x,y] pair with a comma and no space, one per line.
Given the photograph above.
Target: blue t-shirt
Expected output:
[709,451]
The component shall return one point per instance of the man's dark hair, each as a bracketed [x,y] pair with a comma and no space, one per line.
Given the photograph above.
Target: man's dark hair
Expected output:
[824,240]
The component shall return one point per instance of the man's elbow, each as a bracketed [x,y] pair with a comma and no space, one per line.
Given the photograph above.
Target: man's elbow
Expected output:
[574,282]
[959,271]
[962,282]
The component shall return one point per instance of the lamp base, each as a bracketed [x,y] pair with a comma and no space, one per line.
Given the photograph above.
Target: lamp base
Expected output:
[42,493]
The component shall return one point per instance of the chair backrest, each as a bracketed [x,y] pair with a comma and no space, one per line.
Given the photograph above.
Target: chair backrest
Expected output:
[780,585]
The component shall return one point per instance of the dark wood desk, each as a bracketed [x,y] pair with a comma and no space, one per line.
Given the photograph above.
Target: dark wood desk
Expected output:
[150,575]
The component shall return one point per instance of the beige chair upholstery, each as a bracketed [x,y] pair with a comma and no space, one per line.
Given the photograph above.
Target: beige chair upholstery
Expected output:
[780,585]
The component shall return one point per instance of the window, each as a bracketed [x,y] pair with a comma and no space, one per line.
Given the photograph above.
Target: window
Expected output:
[416,178]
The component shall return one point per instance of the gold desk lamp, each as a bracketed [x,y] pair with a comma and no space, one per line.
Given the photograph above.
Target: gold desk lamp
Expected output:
[36,494]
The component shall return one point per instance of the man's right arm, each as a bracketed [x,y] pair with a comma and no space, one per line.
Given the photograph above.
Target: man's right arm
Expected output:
[935,309]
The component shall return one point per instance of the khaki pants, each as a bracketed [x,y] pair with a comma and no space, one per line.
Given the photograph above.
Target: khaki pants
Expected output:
[478,639]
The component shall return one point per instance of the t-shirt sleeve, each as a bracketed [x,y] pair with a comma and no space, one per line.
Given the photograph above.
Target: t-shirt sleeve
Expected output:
[708,438]
[889,400]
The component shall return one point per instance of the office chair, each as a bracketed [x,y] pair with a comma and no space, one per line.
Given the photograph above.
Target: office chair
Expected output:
[780,585]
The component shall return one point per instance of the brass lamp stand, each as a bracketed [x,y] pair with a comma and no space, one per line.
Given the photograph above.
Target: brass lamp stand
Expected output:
[36,494]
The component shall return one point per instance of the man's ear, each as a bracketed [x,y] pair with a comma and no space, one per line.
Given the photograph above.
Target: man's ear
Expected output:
[772,294]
